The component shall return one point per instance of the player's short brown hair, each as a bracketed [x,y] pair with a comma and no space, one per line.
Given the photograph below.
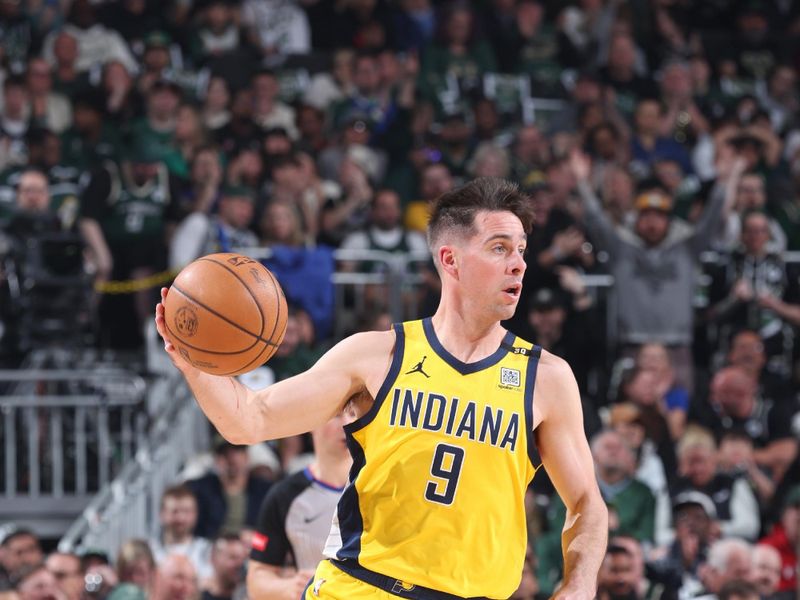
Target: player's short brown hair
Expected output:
[456,209]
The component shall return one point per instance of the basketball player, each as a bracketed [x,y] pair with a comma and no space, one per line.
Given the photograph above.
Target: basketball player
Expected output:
[435,505]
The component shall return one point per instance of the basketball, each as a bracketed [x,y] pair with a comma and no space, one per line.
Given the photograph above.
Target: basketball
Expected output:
[225,314]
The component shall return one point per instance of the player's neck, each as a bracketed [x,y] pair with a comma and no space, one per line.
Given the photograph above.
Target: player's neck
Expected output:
[468,339]
[330,470]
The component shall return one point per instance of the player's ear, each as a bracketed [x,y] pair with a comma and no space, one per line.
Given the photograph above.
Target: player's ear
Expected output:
[448,258]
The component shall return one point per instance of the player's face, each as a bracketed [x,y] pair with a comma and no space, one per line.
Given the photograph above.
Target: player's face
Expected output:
[493,263]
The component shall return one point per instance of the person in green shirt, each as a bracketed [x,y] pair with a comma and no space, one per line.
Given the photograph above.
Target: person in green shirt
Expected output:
[457,56]
[90,140]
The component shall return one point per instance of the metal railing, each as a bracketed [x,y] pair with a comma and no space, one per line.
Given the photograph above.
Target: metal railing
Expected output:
[65,433]
[128,506]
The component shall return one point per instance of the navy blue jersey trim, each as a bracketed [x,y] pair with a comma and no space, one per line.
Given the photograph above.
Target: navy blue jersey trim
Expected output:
[391,376]
[530,380]
[395,587]
[461,366]
[351,525]
[310,476]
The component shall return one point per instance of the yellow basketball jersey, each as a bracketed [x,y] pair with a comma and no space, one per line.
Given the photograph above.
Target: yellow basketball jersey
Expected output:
[440,467]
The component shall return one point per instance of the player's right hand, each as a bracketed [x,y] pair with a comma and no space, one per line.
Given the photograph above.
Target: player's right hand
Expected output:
[161,327]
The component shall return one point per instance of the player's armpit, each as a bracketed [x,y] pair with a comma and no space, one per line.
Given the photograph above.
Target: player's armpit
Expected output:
[308,400]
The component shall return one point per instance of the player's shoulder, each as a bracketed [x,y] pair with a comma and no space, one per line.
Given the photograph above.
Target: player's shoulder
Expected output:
[554,377]
[368,343]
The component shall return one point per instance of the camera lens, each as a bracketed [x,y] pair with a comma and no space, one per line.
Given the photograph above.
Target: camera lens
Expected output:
[93,582]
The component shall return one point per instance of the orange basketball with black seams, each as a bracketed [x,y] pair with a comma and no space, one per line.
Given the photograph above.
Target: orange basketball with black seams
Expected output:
[226,314]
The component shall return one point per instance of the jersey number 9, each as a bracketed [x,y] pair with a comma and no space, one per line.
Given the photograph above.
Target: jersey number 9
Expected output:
[446,469]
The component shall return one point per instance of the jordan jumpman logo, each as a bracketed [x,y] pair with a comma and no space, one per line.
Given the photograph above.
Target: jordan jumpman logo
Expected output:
[418,368]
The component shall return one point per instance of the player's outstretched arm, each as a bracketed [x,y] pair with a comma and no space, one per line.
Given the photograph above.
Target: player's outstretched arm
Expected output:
[292,406]
[565,454]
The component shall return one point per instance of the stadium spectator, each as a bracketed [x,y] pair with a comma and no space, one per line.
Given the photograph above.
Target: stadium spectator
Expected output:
[734,405]
[268,110]
[97,44]
[228,557]
[736,459]
[37,583]
[618,576]
[123,101]
[766,571]
[178,518]
[228,497]
[48,109]
[736,505]
[653,263]
[66,568]
[19,549]
[67,79]
[135,565]
[175,579]
[276,28]
[216,105]
[673,398]
[784,537]
[14,122]
[90,140]
[729,560]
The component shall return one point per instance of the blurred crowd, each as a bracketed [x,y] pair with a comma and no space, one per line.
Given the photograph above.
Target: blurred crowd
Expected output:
[658,139]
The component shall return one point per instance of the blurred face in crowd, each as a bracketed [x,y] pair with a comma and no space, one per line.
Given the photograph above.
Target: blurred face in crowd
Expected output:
[604,141]
[530,146]
[692,520]
[436,180]
[735,453]
[179,515]
[669,174]
[276,143]
[265,88]
[66,568]
[386,212]
[20,551]
[677,80]
[491,163]
[486,118]
[367,75]
[33,192]
[116,77]
[218,16]
[65,49]
[187,124]
[51,150]
[176,579]
[613,458]
[292,337]
[310,122]
[548,321]
[733,390]
[242,107]
[228,558]
[40,585]
[617,576]
[236,211]
[38,77]
[459,26]
[621,54]
[698,463]
[766,569]
[280,223]
[751,192]
[747,352]
[217,96]
[206,167]
[647,117]
[232,462]
[790,519]
[618,190]
[653,357]
[755,234]
[15,97]
[782,83]
[163,103]
[156,58]
[356,133]
[652,226]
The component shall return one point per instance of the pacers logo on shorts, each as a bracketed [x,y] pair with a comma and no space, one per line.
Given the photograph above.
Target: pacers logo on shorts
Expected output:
[186,321]
[401,586]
